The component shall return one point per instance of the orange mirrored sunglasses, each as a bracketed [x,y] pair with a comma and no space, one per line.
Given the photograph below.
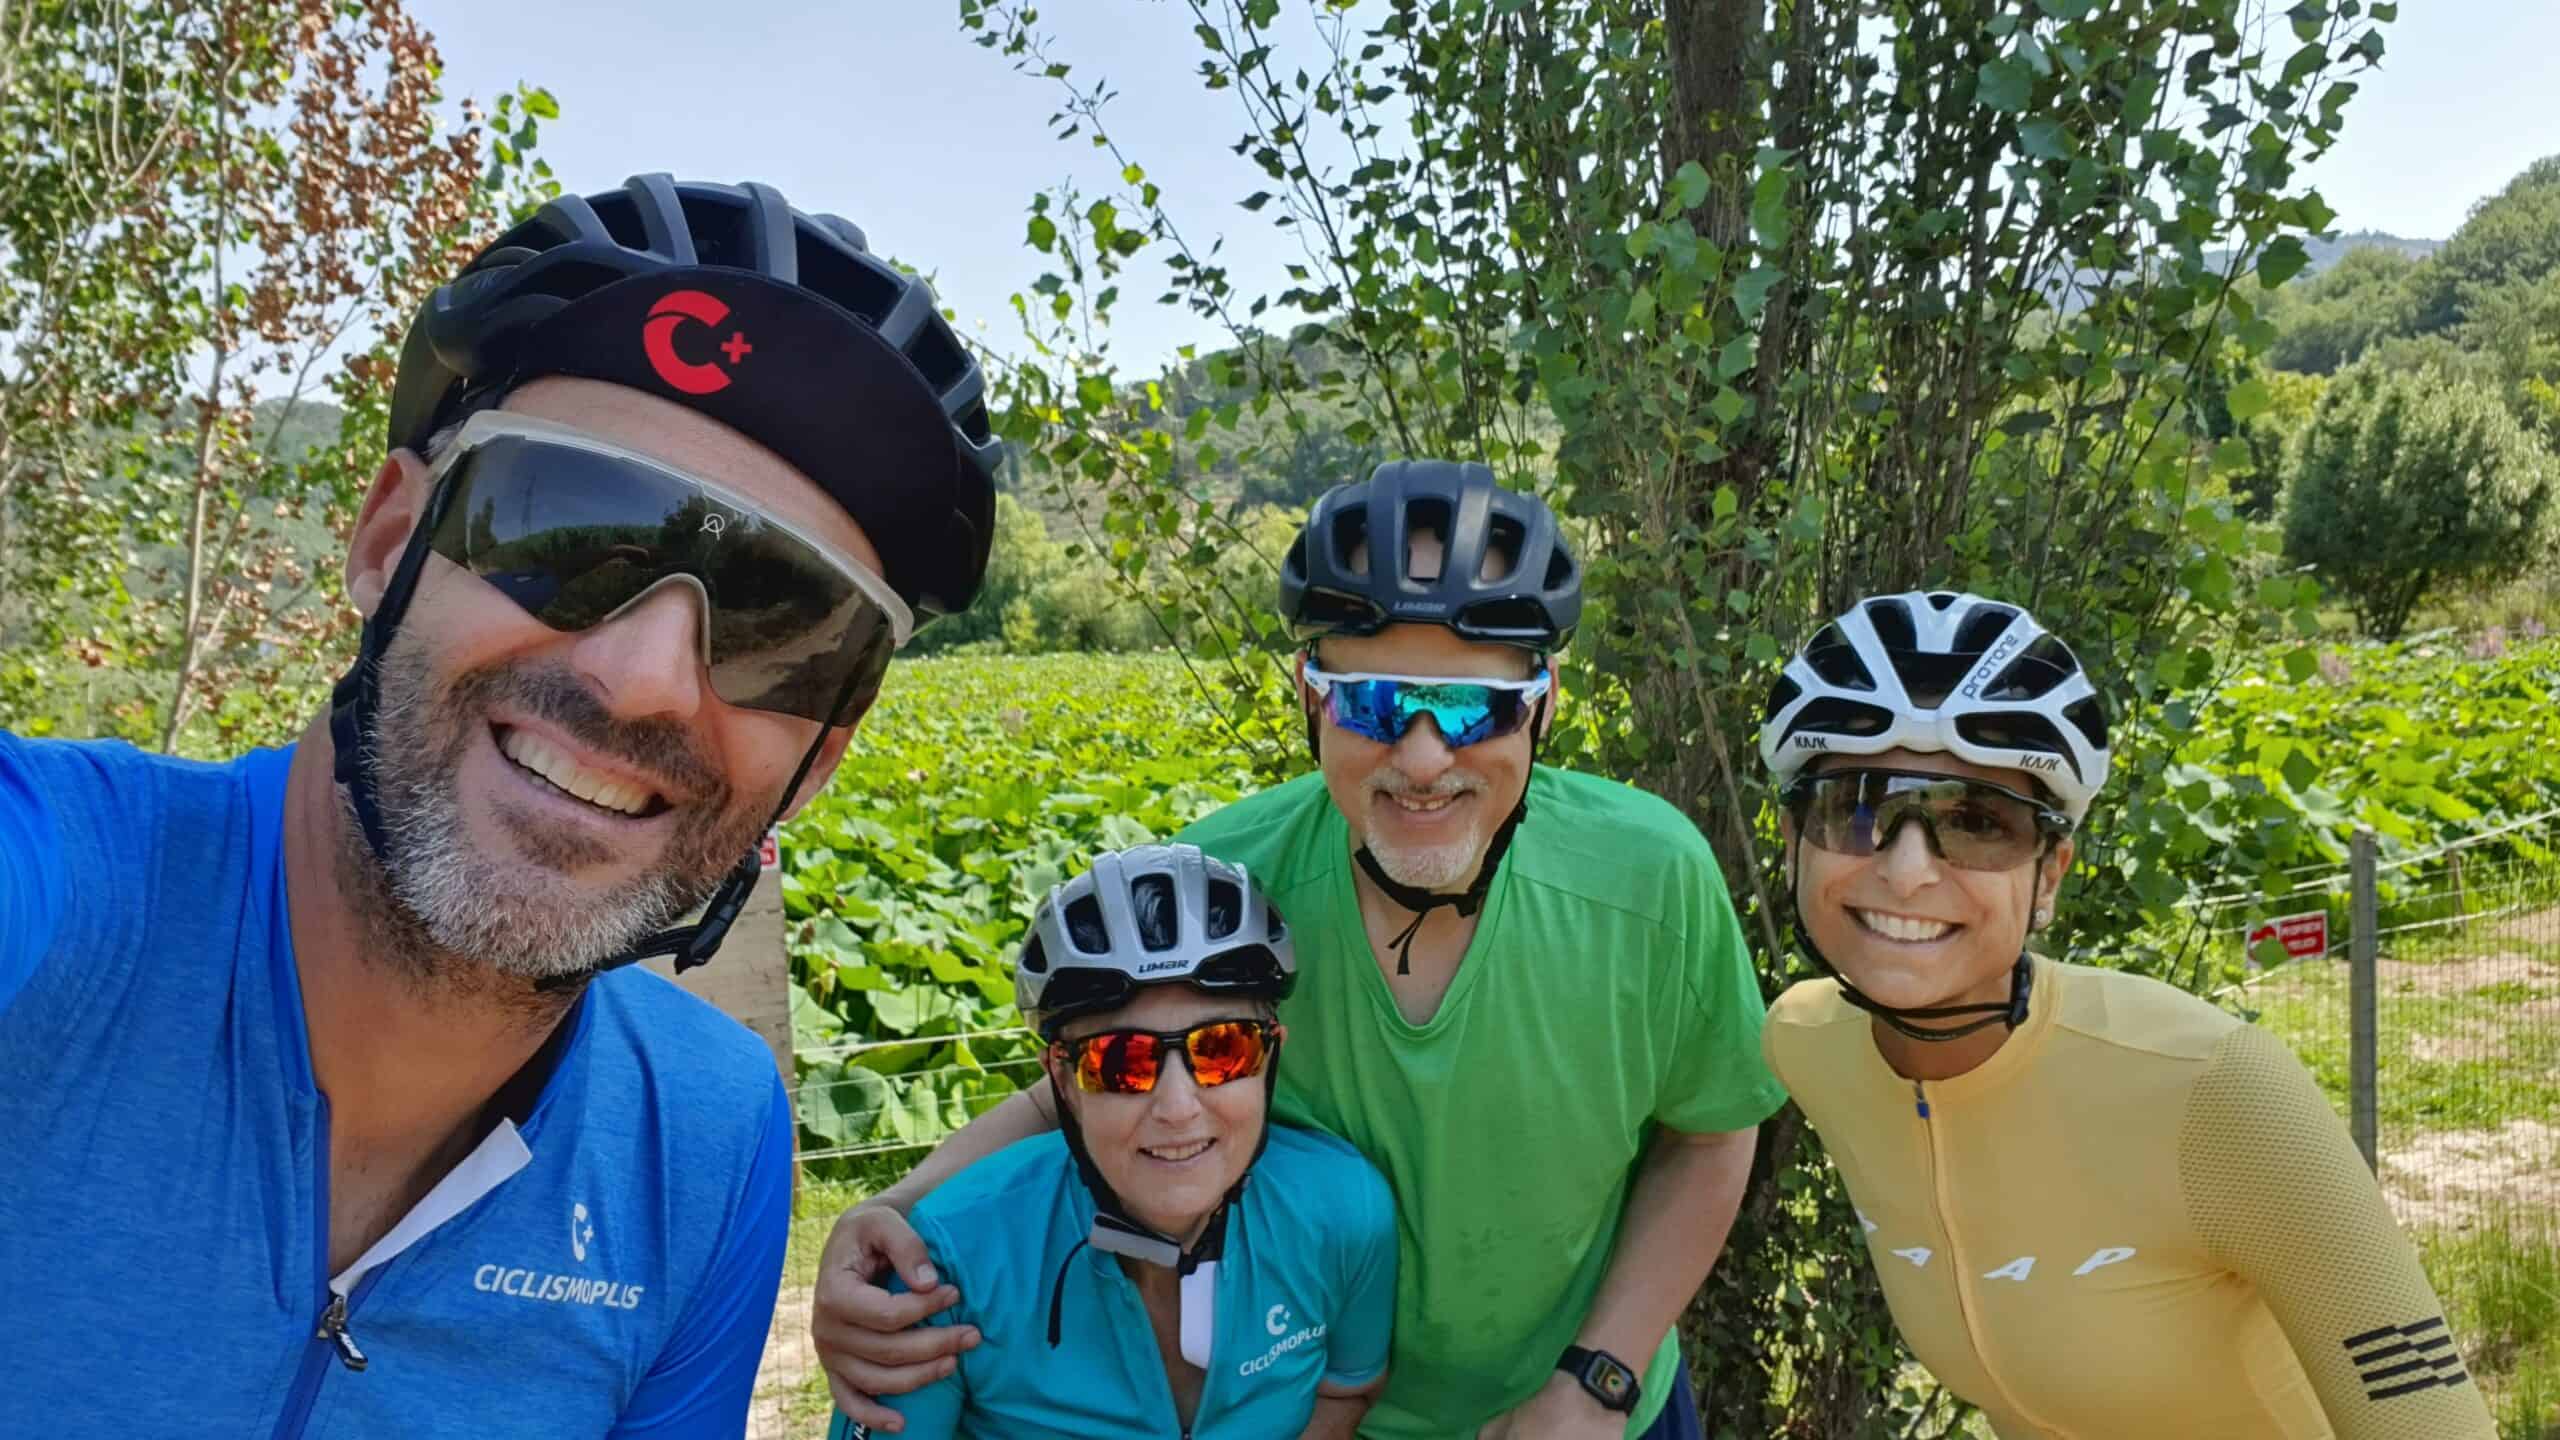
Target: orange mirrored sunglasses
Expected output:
[1127,1062]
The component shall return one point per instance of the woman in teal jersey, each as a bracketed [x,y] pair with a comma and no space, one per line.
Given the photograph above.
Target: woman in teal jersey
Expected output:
[1122,1277]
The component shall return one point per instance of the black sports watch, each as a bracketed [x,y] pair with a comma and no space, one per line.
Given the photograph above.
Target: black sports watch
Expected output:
[1604,1375]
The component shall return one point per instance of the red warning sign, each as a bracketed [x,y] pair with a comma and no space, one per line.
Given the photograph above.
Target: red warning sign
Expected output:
[2304,937]
[769,854]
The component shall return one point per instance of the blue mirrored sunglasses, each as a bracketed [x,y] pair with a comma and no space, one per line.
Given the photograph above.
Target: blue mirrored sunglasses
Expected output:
[1383,707]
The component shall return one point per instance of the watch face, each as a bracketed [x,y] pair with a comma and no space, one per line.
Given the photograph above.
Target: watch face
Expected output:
[1612,1380]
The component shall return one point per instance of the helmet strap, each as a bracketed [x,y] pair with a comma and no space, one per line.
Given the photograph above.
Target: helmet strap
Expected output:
[1899,1019]
[1117,1232]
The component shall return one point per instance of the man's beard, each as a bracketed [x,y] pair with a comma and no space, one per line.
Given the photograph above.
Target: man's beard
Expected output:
[456,901]
[1445,866]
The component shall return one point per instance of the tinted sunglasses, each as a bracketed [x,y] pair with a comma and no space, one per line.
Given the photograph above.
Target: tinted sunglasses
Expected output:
[1128,1062]
[577,530]
[1971,824]
[1383,707]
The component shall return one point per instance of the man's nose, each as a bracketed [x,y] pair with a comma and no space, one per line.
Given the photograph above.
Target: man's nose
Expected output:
[1422,753]
[648,659]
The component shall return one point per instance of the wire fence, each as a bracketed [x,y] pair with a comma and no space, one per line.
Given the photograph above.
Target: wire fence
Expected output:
[2423,991]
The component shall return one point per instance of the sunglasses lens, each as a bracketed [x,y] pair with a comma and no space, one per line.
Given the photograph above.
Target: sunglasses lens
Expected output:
[1969,825]
[1464,713]
[1229,1050]
[573,536]
[1119,1062]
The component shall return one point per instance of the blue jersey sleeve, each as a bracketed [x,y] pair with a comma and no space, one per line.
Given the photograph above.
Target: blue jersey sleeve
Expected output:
[1363,1322]
[932,1413]
[34,882]
[704,1379]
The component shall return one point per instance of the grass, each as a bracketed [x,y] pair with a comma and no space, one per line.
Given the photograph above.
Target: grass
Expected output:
[2502,1295]
[2461,1058]
[2472,1060]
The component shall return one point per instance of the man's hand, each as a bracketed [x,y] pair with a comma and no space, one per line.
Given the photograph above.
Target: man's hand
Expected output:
[1561,1410]
[870,1340]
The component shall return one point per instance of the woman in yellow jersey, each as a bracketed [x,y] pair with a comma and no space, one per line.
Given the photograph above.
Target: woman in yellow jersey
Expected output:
[2100,1207]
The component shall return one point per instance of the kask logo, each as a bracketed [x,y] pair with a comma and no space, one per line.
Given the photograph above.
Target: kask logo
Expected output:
[658,338]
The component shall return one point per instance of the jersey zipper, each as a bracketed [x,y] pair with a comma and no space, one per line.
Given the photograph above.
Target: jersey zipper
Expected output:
[330,1336]
[1960,1272]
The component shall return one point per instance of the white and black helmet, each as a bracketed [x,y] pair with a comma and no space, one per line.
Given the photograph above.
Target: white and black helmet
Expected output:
[1151,915]
[2000,691]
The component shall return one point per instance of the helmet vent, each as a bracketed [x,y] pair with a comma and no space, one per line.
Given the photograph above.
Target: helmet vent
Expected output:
[2034,673]
[719,231]
[1832,658]
[1226,907]
[1505,539]
[1429,513]
[1273,927]
[1035,956]
[2090,719]
[937,353]
[1151,897]
[621,220]
[2022,730]
[1892,622]
[1350,532]
[1833,716]
[832,272]
[1982,629]
[1781,695]
[1085,927]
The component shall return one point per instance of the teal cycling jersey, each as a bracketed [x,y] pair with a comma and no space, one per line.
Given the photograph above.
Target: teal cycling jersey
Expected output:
[1305,1293]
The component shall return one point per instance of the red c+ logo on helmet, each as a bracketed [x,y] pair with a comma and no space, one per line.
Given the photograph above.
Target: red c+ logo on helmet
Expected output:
[658,338]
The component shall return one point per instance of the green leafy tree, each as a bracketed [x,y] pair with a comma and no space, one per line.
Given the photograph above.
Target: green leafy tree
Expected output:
[216,215]
[2328,322]
[2408,482]
[2513,237]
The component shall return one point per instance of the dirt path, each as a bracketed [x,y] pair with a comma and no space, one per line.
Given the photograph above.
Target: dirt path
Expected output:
[788,1360]
[2452,1178]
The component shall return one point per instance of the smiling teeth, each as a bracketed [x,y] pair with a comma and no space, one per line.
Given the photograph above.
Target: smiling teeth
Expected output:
[569,775]
[1903,927]
[1422,804]
[1178,1153]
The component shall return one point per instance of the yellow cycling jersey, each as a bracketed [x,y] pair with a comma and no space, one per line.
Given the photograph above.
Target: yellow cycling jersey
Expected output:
[2138,1218]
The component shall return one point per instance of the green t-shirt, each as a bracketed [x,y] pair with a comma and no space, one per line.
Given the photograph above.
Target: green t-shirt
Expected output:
[1607,991]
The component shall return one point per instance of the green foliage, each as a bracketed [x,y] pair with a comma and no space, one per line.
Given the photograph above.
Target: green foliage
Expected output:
[197,243]
[974,786]
[2408,481]
[2510,238]
[2329,322]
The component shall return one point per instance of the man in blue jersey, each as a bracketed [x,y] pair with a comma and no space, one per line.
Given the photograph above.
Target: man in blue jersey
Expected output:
[330,1107]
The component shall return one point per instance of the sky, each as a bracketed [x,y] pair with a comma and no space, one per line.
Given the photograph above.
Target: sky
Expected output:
[886,112]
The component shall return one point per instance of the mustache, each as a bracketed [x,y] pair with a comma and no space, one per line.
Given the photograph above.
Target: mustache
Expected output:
[654,746]
[1390,781]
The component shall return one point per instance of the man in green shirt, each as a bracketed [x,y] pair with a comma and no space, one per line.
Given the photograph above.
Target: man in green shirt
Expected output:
[1523,995]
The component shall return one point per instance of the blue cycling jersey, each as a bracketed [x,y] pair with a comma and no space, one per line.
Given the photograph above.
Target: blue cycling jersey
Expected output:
[603,1263]
[1305,1292]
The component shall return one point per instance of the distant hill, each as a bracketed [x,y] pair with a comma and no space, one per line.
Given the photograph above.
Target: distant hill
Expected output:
[2324,252]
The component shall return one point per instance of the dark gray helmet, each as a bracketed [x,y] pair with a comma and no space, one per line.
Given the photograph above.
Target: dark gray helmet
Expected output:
[1534,602]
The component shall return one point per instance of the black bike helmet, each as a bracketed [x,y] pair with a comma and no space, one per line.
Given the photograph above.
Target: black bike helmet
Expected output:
[1533,602]
[778,323]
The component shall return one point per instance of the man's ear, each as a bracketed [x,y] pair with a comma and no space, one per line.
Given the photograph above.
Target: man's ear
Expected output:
[392,505]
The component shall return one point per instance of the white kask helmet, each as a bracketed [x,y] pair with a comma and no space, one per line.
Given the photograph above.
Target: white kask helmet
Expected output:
[2005,693]
[1151,915]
